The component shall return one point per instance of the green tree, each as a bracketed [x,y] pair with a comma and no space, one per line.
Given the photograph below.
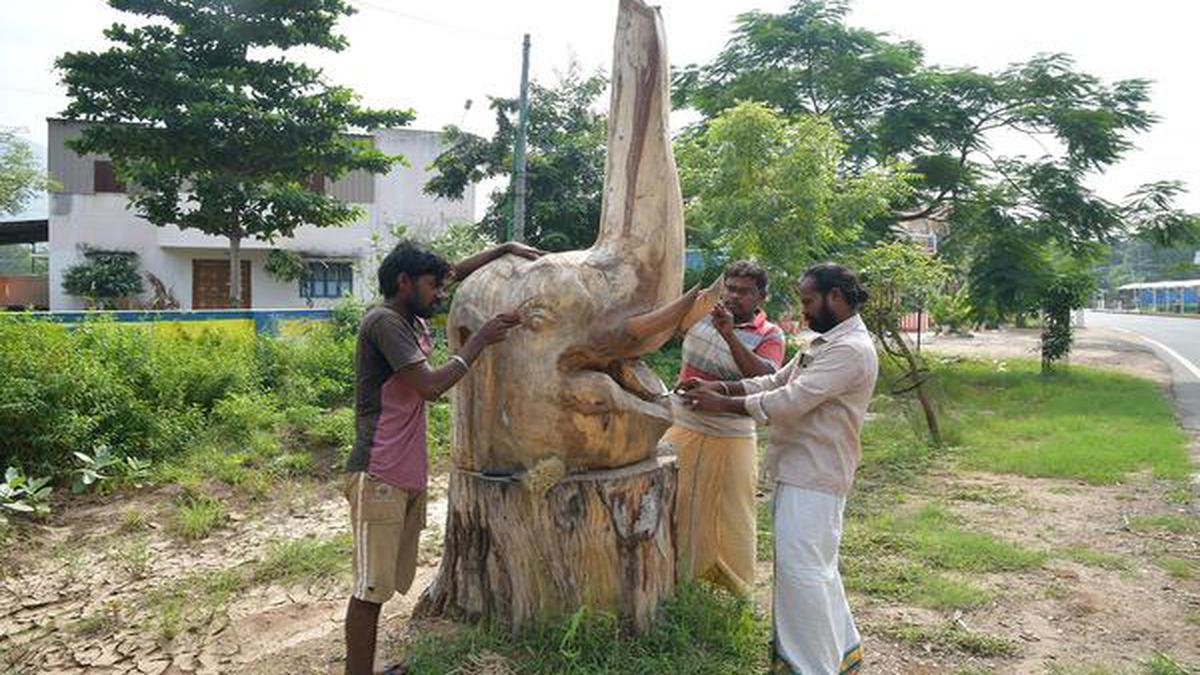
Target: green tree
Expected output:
[759,185]
[20,176]
[902,277]
[806,61]
[219,131]
[564,166]
[460,240]
[888,104]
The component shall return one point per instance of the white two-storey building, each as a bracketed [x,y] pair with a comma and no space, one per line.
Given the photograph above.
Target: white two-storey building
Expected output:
[88,211]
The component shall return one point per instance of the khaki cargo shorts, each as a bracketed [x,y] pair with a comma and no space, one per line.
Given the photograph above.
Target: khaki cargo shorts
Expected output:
[386,522]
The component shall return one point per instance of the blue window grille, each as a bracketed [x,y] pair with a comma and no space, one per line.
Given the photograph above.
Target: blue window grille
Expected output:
[327,279]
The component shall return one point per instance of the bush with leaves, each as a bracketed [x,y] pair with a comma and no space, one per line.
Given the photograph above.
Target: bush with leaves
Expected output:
[99,401]
[140,389]
[460,240]
[1064,292]
[23,494]
[951,311]
[56,397]
[346,315]
[312,366]
[105,471]
[104,277]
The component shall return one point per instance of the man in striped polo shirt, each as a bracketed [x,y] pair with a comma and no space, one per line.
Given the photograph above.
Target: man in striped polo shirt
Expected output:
[714,509]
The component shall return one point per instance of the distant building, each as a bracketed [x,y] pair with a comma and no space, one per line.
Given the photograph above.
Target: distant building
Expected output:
[89,211]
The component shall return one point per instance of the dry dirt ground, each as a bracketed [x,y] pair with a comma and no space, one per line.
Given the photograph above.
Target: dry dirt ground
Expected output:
[78,594]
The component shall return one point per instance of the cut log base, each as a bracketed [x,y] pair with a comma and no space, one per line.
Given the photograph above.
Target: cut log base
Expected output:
[602,539]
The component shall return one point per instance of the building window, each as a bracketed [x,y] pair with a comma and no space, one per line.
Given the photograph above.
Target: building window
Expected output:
[105,177]
[315,183]
[327,279]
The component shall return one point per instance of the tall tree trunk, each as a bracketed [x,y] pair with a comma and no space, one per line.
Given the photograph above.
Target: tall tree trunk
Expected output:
[914,369]
[516,553]
[235,271]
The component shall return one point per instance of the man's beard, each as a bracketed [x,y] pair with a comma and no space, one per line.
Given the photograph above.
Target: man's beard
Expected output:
[824,321]
[424,311]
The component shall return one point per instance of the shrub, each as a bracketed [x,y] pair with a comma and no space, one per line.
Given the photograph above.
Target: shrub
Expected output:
[139,389]
[150,391]
[56,398]
[347,314]
[105,471]
[189,369]
[312,367]
[23,494]
[103,277]
[951,311]
[238,416]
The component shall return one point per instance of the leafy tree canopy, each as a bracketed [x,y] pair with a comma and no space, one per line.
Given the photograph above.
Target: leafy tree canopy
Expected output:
[565,151]
[218,130]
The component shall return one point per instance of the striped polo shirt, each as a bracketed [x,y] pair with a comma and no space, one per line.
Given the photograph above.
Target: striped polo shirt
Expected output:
[706,356]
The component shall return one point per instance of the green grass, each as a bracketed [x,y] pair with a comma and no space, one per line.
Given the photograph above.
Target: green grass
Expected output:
[933,536]
[925,556]
[197,517]
[1082,423]
[134,520]
[895,452]
[1091,558]
[700,631]
[307,559]
[1161,664]
[944,593]
[192,601]
[103,621]
[983,494]
[134,557]
[1173,523]
[1179,568]
[1181,493]
[1084,669]
[949,637]
[764,535]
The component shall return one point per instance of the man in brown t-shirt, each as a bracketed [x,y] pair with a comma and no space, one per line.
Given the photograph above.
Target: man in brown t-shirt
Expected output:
[388,468]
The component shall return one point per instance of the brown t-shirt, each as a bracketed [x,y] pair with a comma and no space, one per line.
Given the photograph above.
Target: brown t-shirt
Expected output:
[390,415]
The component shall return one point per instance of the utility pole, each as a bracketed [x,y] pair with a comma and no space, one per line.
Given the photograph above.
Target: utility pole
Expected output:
[517,228]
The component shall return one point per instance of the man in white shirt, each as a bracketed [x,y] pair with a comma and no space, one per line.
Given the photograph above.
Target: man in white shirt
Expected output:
[815,407]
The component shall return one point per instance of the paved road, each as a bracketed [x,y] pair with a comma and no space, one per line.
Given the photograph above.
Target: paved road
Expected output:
[1177,341]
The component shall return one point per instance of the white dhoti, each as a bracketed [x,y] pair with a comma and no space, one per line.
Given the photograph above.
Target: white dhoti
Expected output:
[813,632]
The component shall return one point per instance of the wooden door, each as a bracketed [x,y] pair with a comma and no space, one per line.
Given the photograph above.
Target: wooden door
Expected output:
[210,284]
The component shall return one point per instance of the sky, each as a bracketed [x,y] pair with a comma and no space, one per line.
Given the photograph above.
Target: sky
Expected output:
[435,56]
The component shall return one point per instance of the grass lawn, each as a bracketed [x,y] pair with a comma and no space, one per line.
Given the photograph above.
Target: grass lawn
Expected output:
[1082,423]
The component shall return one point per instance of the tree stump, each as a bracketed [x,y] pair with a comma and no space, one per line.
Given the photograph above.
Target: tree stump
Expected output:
[600,538]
